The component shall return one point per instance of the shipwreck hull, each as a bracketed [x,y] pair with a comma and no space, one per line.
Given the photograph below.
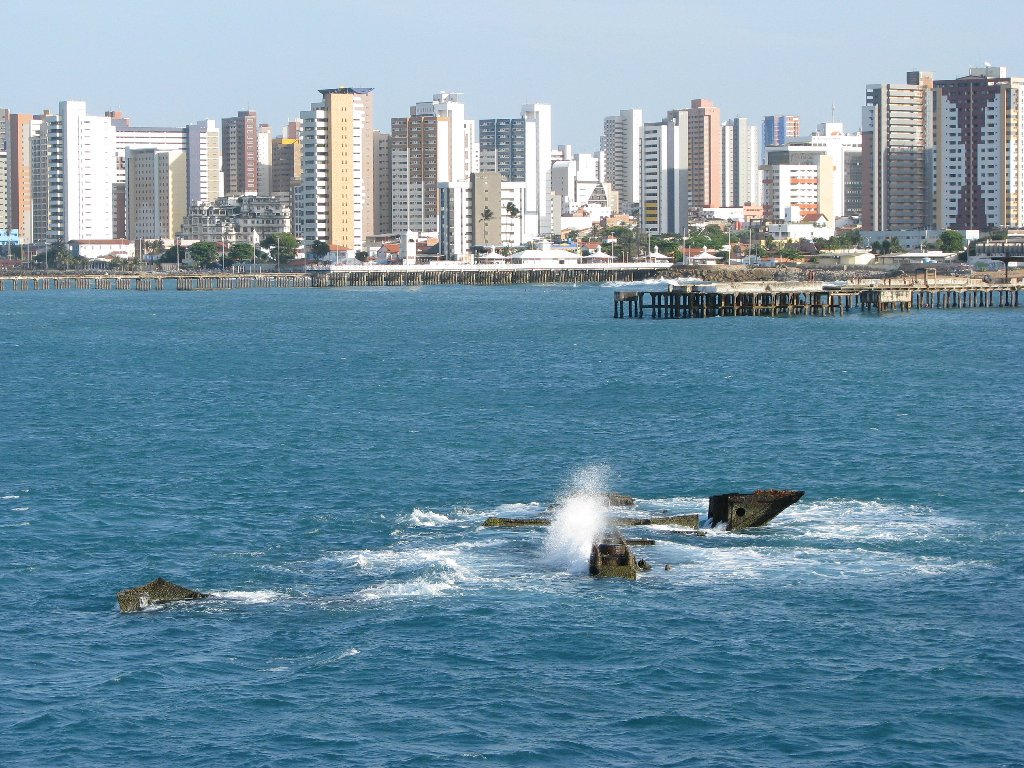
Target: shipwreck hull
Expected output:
[738,511]
[611,557]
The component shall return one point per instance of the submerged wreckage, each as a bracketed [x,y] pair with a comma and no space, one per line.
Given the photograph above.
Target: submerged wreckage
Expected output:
[611,555]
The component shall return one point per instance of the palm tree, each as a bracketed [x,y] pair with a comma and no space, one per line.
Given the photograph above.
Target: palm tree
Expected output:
[486,216]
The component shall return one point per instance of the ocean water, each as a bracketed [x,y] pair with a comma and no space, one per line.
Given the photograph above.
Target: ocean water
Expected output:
[321,461]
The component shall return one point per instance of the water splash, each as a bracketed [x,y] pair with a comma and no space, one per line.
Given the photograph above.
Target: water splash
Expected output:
[577,520]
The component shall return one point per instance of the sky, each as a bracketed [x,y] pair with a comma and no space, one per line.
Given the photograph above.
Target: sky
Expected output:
[172,63]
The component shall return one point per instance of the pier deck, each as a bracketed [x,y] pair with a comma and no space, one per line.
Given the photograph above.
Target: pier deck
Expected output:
[363,276]
[753,300]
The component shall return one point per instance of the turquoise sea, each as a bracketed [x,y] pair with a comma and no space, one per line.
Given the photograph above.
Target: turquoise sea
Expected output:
[321,461]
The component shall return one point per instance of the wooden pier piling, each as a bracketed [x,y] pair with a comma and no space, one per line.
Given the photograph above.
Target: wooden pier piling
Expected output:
[745,300]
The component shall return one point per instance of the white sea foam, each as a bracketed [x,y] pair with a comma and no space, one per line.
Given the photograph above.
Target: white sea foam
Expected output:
[422,587]
[864,521]
[427,519]
[19,509]
[252,597]
[390,560]
[578,520]
[9,497]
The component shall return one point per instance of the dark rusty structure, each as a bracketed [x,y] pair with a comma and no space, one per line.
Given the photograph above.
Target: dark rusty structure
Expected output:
[738,511]
[612,557]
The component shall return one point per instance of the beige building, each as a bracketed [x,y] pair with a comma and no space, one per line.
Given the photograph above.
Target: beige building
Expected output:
[704,134]
[898,155]
[287,167]
[157,192]
[334,203]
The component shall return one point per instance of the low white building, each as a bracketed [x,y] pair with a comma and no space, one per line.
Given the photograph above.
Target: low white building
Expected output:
[702,259]
[92,250]
[797,226]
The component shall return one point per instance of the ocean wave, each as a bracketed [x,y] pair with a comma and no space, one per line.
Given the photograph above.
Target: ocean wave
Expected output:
[9,496]
[250,597]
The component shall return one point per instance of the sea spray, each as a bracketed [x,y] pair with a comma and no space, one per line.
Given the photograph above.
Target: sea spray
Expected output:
[578,519]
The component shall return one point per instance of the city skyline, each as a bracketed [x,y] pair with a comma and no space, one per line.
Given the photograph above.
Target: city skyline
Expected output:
[571,57]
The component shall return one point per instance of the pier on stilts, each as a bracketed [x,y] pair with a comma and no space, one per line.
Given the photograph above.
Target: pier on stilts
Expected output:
[357,276]
[152,282]
[747,300]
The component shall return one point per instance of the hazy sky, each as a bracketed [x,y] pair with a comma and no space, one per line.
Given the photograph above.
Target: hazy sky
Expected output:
[170,63]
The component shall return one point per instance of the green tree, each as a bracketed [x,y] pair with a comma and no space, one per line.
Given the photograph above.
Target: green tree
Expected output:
[204,254]
[57,256]
[240,252]
[512,210]
[154,247]
[320,250]
[952,242]
[487,216]
[284,244]
[174,255]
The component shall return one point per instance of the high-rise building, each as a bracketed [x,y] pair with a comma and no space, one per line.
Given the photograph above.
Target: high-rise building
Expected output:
[128,137]
[741,175]
[431,146]
[813,173]
[503,147]
[334,202]
[705,153]
[81,160]
[5,115]
[537,215]
[665,181]
[622,145]
[264,159]
[979,145]
[286,167]
[22,130]
[240,154]
[776,130]
[205,179]
[382,183]
[520,150]
[898,155]
[157,192]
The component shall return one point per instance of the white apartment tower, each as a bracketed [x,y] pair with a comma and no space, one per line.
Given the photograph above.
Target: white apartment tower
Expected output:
[741,175]
[814,174]
[621,144]
[537,215]
[205,180]
[81,156]
[979,144]
[264,160]
[665,179]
